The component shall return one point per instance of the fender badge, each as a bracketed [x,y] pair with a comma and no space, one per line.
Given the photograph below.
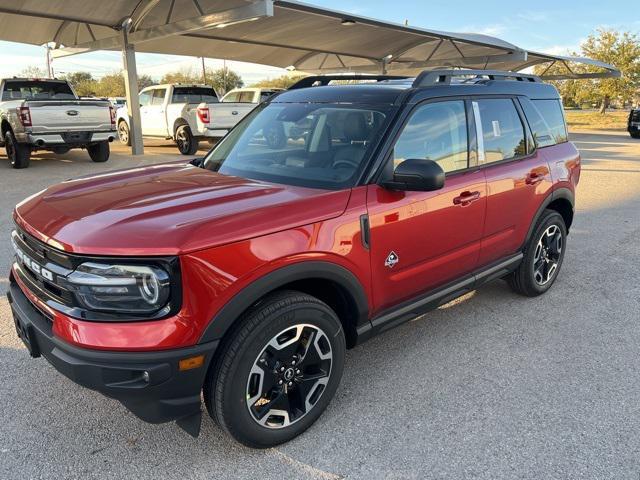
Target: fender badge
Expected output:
[391,260]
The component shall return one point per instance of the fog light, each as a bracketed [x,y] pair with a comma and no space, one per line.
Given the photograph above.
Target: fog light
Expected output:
[145,376]
[191,363]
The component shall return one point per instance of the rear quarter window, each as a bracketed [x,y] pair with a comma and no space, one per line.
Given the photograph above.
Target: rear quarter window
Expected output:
[546,120]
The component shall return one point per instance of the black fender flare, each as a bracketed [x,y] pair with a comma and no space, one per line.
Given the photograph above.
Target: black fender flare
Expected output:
[305,270]
[561,192]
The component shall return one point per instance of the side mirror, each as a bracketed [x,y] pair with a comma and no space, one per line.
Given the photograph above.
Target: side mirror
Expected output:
[417,175]
[197,162]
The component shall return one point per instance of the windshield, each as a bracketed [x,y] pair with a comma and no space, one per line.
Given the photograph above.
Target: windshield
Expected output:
[36,90]
[305,144]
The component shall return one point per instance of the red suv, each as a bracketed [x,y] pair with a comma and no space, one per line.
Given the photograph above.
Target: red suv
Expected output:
[328,215]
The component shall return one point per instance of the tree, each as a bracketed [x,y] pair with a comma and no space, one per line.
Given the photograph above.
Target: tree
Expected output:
[283,81]
[76,78]
[621,50]
[33,72]
[186,75]
[223,80]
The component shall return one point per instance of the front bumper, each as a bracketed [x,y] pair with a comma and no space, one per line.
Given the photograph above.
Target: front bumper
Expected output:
[168,394]
[43,140]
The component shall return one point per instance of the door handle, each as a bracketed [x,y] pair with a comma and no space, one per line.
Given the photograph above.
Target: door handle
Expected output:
[533,178]
[465,198]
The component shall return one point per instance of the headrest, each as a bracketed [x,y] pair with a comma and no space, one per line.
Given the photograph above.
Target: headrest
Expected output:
[355,127]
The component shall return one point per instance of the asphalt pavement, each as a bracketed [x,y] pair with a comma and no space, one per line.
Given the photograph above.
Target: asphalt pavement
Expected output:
[490,386]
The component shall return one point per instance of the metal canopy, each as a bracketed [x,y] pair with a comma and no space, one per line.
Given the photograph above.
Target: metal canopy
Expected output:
[279,33]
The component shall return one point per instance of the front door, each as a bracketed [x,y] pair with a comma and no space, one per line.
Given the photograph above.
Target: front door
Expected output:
[423,240]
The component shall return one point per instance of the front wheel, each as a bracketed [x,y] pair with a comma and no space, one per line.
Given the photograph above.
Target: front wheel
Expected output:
[187,143]
[278,371]
[99,152]
[19,154]
[543,256]
[634,135]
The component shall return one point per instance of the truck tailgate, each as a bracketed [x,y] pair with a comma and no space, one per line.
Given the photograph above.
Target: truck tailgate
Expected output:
[226,115]
[69,115]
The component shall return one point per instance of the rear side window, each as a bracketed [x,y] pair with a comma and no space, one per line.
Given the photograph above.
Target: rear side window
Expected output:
[231,97]
[503,135]
[246,97]
[36,90]
[438,132]
[551,112]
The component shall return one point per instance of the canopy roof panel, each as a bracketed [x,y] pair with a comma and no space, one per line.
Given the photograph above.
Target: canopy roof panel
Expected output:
[279,33]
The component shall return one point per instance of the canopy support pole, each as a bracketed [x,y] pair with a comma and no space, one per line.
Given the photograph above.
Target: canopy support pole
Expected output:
[131,88]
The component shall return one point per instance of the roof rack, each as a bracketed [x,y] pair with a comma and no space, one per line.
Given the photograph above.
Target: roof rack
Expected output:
[322,80]
[444,77]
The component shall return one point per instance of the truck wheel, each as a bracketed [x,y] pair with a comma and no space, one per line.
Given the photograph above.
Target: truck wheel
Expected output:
[543,256]
[187,143]
[123,133]
[99,152]
[635,135]
[19,154]
[278,371]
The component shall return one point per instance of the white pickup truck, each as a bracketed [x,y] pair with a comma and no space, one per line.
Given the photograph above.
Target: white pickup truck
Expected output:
[188,114]
[46,114]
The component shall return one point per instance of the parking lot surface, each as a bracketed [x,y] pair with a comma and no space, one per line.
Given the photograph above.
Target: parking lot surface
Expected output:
[490,386]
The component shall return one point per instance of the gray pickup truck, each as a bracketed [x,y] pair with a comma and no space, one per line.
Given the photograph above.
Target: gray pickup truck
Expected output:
[46,114]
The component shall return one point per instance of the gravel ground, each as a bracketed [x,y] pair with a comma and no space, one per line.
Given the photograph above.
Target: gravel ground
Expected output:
[490,386]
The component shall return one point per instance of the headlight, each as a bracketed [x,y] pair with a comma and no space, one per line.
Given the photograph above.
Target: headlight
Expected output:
[136,289]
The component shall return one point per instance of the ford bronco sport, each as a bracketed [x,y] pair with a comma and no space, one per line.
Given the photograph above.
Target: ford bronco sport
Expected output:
[248,273]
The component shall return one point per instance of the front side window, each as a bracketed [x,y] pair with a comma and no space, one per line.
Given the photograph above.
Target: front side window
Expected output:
[438,132]
[145,98]
[158,96]
[306,144]
[503,135]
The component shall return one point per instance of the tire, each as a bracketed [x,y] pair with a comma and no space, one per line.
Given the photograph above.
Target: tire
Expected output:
[99,152]
[635,135]
[543,256]
[123,133]
[187,143]
[237,383]
[19,154]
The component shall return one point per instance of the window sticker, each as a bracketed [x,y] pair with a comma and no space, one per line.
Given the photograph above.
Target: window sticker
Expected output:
[496,128]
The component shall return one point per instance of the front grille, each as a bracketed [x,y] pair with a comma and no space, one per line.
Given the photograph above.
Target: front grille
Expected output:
[37,256]
[635,116]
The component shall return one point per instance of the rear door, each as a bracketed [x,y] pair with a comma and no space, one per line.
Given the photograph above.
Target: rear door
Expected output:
[518,176]
[423,240]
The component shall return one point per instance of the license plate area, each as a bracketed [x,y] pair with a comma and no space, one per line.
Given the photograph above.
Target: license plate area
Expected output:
[76,137]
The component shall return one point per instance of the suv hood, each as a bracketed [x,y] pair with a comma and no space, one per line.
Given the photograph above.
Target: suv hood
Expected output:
[168,209]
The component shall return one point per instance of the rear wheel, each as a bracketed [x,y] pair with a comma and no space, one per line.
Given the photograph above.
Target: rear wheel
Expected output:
[19,154]
[543,256]
[123,133]
[99,152]
[187,143]
[278,371]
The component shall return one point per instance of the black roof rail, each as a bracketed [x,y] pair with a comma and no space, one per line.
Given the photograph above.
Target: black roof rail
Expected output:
[322,80]
[443,77]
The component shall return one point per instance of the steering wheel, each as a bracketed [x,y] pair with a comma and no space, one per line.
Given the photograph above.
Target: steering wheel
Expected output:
[348,163]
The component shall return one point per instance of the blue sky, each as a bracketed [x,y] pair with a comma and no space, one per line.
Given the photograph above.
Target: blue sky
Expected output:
[544,25]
